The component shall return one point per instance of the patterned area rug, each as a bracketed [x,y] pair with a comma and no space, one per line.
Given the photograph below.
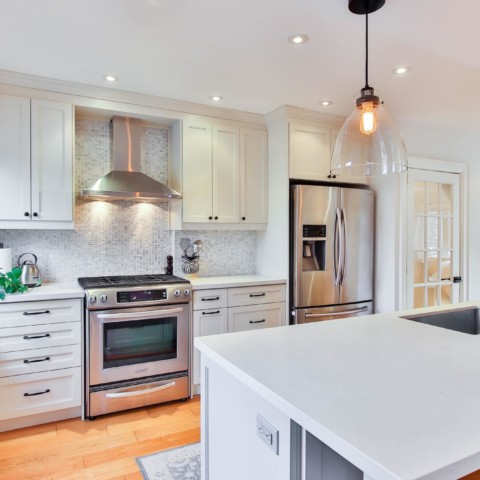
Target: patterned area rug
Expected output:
[182,463]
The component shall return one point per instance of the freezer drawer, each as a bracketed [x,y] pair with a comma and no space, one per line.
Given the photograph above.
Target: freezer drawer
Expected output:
[307,315]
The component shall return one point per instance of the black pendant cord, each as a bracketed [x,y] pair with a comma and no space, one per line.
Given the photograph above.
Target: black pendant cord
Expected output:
[366,51]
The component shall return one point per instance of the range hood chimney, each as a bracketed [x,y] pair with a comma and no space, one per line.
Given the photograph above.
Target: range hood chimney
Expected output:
[125,181]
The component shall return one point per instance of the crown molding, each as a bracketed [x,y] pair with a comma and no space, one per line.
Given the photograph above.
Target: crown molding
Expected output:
[90,96]
[288,112]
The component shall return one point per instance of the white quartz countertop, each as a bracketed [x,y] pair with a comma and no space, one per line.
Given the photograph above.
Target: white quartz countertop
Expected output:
[234,281]
[48,291]
[399,399]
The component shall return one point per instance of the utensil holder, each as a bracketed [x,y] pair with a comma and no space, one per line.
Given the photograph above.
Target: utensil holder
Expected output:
[190,265]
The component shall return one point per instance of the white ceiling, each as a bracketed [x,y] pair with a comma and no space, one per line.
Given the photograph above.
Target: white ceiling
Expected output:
[191,49]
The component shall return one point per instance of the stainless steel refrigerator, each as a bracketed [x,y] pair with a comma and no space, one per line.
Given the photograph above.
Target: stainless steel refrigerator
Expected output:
[331,252]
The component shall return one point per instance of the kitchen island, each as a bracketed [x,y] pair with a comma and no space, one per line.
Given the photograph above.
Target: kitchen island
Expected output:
[373,397]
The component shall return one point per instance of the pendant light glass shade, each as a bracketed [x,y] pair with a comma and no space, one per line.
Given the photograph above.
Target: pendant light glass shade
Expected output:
[369,142]
[359,154]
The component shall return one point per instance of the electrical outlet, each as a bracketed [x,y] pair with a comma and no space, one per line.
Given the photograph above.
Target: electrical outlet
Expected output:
[268,433]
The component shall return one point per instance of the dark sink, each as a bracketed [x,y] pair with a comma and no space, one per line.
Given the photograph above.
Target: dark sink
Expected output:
[464,320]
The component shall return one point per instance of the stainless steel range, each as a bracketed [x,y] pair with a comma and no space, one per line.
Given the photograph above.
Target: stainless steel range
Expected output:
[137,337]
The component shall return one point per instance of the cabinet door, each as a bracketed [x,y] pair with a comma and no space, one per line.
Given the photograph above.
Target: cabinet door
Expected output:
[309,152]
[197,172]
[207,322]
[253,176]
[14,158]
[226,175]
[52,161]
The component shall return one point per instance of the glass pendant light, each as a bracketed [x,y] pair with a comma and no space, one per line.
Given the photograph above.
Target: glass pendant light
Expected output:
[369,143]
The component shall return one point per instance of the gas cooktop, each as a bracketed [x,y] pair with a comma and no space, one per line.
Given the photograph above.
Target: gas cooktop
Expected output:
[129,281]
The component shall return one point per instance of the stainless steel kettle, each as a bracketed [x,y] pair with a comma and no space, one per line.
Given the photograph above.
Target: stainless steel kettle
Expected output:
[30,273]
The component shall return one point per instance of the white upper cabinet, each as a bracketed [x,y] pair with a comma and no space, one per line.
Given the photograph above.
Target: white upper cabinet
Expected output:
[14,158]
[253,176]
[52,161]
[310,152]
[210,174]
[224,175]
[36,161]
[197,172]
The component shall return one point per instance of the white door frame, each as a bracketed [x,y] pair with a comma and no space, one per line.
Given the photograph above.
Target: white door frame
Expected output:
[431,164]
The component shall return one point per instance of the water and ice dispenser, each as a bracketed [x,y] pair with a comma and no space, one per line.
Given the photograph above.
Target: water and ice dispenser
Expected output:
[314,247]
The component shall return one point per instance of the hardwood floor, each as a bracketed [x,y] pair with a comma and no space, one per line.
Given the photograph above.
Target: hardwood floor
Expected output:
[103,449]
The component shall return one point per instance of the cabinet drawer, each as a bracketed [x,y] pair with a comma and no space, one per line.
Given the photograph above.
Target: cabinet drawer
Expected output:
[37,313]
[39,360]
[256,295]
[255,317]
[203,299]
[40,336]
[40,392]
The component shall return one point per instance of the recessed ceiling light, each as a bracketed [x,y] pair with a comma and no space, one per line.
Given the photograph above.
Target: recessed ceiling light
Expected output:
[110,78]
[216,98]
[298,38]
[402,70]
[326,103]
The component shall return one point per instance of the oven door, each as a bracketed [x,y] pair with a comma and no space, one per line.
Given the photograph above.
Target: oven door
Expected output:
[133,343]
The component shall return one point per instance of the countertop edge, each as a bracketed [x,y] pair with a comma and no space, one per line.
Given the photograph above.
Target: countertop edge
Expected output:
[234,281]
[49,291]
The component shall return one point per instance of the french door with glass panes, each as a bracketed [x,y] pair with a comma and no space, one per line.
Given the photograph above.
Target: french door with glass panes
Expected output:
[433,238]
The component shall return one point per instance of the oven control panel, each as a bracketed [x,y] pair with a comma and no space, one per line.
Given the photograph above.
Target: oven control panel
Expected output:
[138,296]
[142,296]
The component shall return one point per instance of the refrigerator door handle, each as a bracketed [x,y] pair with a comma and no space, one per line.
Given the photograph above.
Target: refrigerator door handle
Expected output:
[343,244]
[336,314]
[337,248]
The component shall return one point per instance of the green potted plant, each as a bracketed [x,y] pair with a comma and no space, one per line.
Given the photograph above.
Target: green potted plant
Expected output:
[10,283]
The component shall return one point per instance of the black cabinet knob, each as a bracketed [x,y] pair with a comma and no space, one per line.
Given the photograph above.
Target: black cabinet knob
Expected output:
[243,218]
[35,214]
[329,176]
[26,214]
[216,218]
[210,218]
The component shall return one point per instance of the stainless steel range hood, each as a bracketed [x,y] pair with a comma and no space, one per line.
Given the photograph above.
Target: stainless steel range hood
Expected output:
[125,181]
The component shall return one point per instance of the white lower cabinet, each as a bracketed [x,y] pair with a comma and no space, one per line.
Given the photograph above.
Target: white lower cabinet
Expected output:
[40,361]
[226,310]
[40,392]
[207,322]
[253,317]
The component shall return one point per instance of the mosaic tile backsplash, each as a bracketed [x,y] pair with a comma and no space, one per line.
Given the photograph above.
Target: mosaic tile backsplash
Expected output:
[125,238]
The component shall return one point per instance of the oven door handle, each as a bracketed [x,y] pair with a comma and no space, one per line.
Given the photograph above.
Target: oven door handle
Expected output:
[145,391]
[139,315]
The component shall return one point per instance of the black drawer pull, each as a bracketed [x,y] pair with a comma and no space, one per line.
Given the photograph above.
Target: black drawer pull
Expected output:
[257,295]
[36,393]
[37,313]
[257,321]
[37,360]
[211,299]
[32,337]
[211,313]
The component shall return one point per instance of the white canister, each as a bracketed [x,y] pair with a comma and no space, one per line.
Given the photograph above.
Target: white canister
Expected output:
[5,260]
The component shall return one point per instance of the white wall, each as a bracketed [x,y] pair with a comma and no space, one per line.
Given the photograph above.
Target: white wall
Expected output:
[429,141]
